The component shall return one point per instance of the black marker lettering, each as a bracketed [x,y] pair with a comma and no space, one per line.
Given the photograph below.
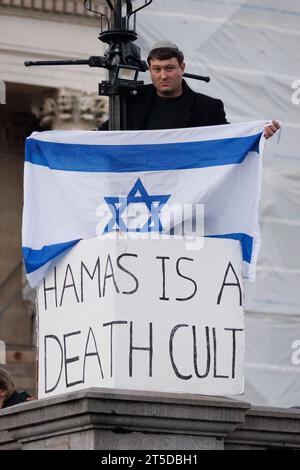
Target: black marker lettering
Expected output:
[208,356]
[91,276]
[234,330]
[134,348]
[217,376]
[230,284]
[50,288]
[69,360]
[95,353]
[111,324]
[171,351]
[184,277]
[67,286]
[163,258]
[108,276]
[133,291]
[55,338]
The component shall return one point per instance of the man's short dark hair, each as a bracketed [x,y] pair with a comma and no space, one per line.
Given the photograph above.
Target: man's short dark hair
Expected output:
[165,53]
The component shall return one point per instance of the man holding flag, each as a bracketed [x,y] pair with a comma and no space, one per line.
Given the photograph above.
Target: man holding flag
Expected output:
[169,103]
[69,175]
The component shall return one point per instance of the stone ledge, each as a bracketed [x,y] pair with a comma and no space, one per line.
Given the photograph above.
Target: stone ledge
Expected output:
[267,428]
[86,415]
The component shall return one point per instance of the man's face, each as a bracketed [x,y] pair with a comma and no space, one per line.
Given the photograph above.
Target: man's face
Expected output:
[166,76]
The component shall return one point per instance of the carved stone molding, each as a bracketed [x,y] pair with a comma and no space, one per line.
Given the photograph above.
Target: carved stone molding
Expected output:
[70,109]
[67,7]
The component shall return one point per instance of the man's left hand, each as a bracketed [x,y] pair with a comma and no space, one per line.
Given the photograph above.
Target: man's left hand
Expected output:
[271,129]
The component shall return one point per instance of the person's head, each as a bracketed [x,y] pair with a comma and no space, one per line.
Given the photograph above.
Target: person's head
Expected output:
[166,66]
[7,386]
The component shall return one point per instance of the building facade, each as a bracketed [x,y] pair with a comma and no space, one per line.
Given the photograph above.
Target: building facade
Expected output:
[37,99]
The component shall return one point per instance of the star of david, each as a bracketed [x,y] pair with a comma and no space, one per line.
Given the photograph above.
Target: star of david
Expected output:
[137,195]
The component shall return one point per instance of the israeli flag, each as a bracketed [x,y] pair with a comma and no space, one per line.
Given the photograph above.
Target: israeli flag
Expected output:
[71,177]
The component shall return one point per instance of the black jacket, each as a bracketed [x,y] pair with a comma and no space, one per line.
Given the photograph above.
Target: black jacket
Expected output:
[196,109]
[16,398]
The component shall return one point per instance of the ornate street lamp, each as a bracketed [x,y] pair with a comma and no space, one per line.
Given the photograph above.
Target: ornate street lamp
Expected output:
[122,58]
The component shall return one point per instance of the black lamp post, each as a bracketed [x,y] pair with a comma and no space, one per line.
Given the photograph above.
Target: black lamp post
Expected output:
[122,58]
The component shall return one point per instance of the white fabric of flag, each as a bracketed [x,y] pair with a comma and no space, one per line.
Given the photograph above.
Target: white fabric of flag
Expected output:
[69,175]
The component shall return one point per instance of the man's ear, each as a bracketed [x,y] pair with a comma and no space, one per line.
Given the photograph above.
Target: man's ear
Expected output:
[3,392]
[182,66]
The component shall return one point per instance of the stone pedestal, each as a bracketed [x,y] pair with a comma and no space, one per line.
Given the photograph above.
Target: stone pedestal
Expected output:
[117,420]
[267,428]
[101,419]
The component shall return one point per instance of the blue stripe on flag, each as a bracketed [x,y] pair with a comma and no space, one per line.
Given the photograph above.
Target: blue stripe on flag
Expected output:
[246,242]
[134,158]
[35,259]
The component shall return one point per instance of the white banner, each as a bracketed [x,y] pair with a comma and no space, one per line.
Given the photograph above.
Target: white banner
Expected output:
[143,315]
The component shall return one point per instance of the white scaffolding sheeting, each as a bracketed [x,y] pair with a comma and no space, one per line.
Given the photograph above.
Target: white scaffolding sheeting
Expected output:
[251,51]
